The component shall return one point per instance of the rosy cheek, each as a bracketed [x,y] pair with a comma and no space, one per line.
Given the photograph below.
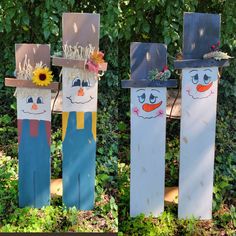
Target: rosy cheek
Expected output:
[136,110]
[160,112]
[188,89]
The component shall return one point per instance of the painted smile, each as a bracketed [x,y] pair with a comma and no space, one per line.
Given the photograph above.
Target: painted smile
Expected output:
[35,113]
[159,113]
[151,117]
[203,88]
[151,107]
[74,102]
[188,91]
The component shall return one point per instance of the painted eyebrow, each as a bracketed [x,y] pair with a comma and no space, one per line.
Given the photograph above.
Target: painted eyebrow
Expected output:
[208,69]
[140,90]
[192,70]
[155,90]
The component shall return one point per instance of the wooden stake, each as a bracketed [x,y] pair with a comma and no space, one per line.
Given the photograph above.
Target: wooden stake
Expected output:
[79,115]
[34,131]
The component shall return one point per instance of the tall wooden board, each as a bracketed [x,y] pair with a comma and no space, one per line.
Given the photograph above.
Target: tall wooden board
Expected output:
[148,124]
[79,113]
[34,124]
[148,132]
[197,143]
[198,119]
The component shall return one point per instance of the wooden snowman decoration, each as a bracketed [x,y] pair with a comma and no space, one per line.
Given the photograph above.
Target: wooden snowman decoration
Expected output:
[81,64]
[148,127]
[198,118]
[34,85]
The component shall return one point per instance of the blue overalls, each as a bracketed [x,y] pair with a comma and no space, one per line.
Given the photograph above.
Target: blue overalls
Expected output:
[79,151]
[34,165]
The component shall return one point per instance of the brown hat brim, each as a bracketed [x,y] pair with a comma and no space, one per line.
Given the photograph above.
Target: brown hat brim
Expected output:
[13,82]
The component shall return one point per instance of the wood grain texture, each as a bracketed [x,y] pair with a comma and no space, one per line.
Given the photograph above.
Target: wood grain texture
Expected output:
[197,144]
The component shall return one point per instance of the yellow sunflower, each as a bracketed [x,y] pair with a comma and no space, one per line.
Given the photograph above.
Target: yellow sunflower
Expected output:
[42,76]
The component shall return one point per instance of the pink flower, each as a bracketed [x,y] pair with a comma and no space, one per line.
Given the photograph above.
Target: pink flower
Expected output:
[165,68]
[213,47]
[136,110]
[91,66]
[218,43]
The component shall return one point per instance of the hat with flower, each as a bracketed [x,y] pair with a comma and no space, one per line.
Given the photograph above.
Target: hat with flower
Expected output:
[148,66]
[32,68]
[201,42]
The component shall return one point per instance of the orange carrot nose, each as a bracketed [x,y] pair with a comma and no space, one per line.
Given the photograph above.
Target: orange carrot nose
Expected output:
[150,107]
[203,88]
[34,106]
[80,92]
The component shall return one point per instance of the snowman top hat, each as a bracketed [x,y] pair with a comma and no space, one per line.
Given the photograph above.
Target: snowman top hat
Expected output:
[32,68]
[201,38]
[146,58]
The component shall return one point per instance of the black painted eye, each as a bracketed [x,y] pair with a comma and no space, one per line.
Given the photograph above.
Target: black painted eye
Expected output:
[85,84]
[206,79]
[142,98]
[76,82]
[195,79]
[152,98]
[39,100]
[29,100]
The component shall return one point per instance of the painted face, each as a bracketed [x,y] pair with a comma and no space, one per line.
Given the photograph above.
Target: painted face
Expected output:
[34,104]
[201,82]
[148,103]
[79,92]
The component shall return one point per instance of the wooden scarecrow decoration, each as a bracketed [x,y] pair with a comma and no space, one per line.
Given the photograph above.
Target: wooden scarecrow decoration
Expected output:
[82,64]
[148,83]
[200,76]
[34,85]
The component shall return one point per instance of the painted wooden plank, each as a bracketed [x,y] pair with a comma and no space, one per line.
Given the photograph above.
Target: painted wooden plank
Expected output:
[197,63]
[147,83]
[198,118]
[197,142]
[148,124]
[147,153]
[34,124]
[12,82]
[79,114]
[72,63]
[201,31]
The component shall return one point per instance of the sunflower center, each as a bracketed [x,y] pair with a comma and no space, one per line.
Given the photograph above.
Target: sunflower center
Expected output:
[42,77]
